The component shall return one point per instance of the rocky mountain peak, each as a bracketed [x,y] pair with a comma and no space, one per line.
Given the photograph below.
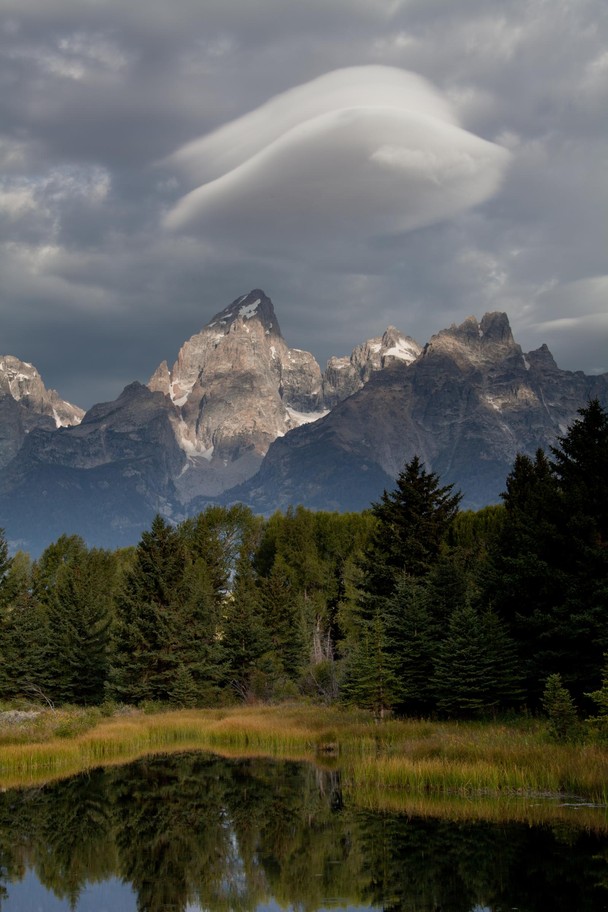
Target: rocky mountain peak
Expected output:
[236,387]
[255,305]
[472,343]
[26,404]
[542,359]
[495,328]
[20,380]
[344,376]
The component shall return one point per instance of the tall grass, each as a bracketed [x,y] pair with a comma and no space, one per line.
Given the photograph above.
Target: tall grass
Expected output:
[387,765]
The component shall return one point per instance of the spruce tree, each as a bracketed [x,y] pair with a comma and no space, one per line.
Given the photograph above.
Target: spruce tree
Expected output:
[412,638]
[79,614]
[476,670]
[24,669]
[549,569]
[412,522]
[411,526]
[245,637]
[145,657]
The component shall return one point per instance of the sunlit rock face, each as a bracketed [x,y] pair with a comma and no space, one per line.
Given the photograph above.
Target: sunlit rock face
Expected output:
[466,405]
[236,387]
[344,376]
[242,417]
[26,404]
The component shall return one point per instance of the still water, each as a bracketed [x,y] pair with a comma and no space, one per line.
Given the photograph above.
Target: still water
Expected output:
[192,832]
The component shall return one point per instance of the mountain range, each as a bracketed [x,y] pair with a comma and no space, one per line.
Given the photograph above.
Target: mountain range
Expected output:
[240,416]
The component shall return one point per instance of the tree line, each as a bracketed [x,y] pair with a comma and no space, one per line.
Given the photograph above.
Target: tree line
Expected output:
[413,606]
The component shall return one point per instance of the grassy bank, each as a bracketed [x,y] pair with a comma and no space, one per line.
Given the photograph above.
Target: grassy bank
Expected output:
[395,765]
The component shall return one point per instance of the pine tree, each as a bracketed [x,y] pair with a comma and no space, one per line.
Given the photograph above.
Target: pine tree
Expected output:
[283,621]
[145,657]
[524,581]
[559,706]
[167,643]
[549,568]
[475,668]
[245,638]
[370,673]
[24,670]
[79,614]
[412,639]
[412,522]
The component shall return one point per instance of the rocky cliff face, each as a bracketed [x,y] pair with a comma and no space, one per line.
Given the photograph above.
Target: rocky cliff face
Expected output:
[236,387]
[26,404]
[104,479]
[345,376]
[192,432]
[466,406]
[240,416]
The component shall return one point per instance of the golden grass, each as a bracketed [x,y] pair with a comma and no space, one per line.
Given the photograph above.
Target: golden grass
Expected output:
[397,765]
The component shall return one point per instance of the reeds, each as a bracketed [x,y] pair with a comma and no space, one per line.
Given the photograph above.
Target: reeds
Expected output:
[383,764]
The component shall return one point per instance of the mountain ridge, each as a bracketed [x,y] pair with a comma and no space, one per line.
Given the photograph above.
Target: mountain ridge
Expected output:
[241,416]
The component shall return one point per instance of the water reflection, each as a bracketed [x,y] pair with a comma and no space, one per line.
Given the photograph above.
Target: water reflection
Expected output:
[193,831]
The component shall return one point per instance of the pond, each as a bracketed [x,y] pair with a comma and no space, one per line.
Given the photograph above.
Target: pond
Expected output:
[193,831]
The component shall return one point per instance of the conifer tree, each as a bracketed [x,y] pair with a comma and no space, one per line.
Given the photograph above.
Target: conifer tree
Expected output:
[167,645]
[245,637]
[412,523]
[145,657]
[412,638]
[370,670]
[283,621]
[549,570]
[476,669]
[24,635]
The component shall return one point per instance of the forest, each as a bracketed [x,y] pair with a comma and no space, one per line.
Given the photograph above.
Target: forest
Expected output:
[413,607]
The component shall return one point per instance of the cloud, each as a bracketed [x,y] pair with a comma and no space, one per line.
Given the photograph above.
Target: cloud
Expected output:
[369,159]
[360,152]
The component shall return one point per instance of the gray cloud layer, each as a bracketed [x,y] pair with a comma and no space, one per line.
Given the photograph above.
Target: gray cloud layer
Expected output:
[364,162]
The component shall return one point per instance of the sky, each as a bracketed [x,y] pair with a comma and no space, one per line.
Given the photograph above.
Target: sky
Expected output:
[365,162]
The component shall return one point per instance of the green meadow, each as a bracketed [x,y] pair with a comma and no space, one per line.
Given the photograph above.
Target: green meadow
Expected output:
[483,770]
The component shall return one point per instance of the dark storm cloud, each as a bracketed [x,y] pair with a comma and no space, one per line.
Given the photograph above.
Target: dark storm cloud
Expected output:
[96,96]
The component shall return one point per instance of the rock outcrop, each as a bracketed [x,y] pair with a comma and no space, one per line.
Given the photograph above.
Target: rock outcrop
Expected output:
[345,376]
[236,387]
[241,416]
[26,404]
[467,405]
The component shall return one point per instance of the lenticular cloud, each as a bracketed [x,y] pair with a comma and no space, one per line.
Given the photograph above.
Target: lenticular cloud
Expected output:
[357,153]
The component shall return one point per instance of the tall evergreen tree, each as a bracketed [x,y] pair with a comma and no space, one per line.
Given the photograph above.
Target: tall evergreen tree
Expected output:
[549,568]
[24,635]
[476,669]
[167,646]
[245,637]
[283,621]
[412,523]
[144,659]
[79,613]
[412,638]
[526,577]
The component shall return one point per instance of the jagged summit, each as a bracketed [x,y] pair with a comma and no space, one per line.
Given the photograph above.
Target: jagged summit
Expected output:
[472,343]
[238,401]
[255,304]
[344,376]
[20,380]
[237,387]
[26,404]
